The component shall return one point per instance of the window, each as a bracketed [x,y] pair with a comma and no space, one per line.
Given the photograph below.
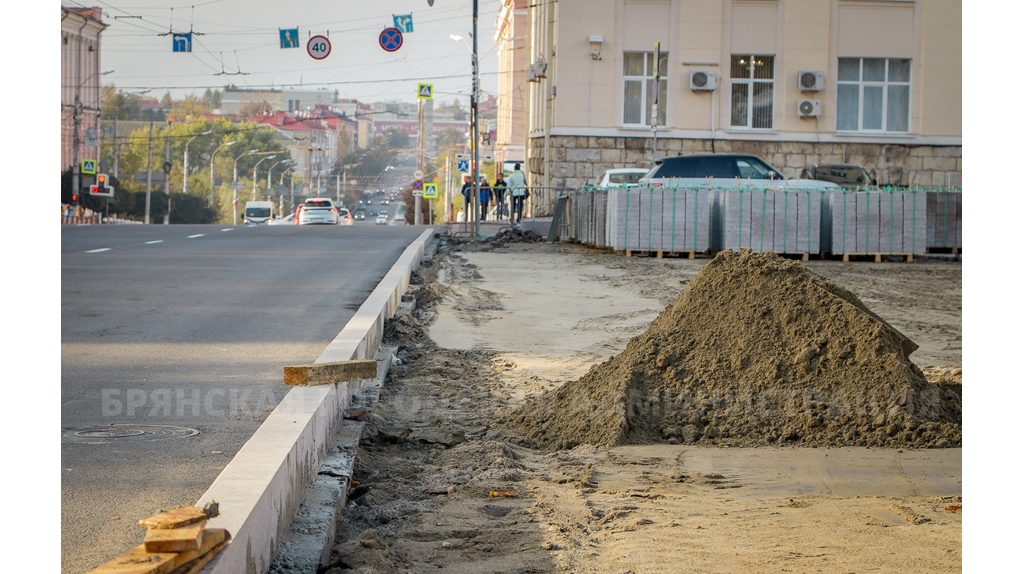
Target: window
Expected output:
[753,91]
[874,95]
[638,87]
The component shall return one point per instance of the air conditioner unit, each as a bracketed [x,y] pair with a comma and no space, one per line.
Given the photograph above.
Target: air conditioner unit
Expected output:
[531,73]
[809,108]
[810,81]
[540,67]
[703,80]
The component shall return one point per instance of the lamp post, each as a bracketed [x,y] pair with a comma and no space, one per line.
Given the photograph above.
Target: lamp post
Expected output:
[254,174]
[212,156]
[184,184]
[270,173]
[474,109]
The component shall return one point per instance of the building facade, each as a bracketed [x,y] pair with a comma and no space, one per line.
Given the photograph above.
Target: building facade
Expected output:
[510,35]
[80,30]
[795,82]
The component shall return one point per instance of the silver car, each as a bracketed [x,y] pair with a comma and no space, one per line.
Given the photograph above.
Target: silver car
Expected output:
[319,211]
[724,170]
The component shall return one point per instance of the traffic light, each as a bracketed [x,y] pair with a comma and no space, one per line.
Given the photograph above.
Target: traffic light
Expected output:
[102,186]
[101,180]
[74,199]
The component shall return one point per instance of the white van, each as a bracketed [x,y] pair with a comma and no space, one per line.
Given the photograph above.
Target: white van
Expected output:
[257,212]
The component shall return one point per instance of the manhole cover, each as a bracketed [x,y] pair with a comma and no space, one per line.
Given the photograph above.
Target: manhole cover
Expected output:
[103,434]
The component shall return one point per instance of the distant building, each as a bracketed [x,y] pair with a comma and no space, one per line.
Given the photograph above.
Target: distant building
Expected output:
[80,30]
[510,36]
[235,100]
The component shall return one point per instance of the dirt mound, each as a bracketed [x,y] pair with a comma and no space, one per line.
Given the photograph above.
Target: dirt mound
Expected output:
[756,351]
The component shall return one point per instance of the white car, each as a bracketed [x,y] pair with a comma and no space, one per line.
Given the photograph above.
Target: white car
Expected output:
[318,210]
[622,177]
[382,219]
[286,220]
[724,170]
[344,217]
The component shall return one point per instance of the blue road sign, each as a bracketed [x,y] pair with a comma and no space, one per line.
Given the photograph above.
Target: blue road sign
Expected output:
[403,22]
[430,191]
[89,166]
[182,42]
[425,91]
[290,38]
[464,165]
[391,39]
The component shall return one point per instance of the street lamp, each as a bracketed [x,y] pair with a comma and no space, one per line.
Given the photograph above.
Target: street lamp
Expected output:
[254,174]
[270,173]
[213,155]
[474,107]
[184,184]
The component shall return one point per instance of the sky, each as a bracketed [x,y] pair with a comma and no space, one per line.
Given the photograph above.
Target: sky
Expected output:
[238,42]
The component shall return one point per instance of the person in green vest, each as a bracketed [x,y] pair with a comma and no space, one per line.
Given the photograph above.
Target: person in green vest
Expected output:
[519,192]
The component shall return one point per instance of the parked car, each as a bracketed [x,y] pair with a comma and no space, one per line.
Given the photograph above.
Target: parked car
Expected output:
[344,217]
[723,171]
[846,175]
[619,177]
[318,210]
[382,219]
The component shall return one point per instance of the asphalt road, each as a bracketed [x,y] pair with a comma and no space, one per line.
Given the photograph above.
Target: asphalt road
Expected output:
[173,341]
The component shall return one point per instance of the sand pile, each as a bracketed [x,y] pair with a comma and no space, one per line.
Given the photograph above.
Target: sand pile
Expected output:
[756,351]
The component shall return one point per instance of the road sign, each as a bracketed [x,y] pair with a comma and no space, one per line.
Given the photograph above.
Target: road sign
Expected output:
[391,39]
[405,178]
[289,38]
[89,166]
[417,185]
[430,191]
[403,22]
[425,91]
[319,47]
[182,42]
[237,185]
[464,165]
[418,174]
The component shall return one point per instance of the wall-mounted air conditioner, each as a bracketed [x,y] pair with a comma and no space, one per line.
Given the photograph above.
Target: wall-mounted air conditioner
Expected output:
[531,73]
[808,108]
[703,80]
[810,81]
[540,67]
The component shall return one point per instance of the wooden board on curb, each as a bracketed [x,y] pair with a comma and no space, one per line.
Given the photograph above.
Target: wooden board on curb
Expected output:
[138,561]
[175,539]
[179,517]
[325,373]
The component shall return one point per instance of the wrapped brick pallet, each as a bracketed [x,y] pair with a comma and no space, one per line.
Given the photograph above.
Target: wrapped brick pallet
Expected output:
[782,221]
[659,219]
[587,212]
[876,222]
[945,219]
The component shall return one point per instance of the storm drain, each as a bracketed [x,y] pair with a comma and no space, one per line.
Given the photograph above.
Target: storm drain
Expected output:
[105,434]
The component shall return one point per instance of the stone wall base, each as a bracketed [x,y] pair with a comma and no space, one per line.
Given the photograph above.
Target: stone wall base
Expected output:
[577,161]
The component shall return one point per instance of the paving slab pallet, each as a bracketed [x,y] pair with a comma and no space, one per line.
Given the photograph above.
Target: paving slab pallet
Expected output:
[876,257]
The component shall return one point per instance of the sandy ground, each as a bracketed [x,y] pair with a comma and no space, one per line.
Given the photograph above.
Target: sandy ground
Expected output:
[447,488]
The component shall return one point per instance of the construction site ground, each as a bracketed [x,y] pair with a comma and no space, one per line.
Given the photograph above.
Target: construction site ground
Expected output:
[445,486]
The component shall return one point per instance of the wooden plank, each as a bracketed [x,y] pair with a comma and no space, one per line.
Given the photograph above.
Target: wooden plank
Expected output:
[138,561]
[179,517]
[326,373]
[175,539]
[196,565]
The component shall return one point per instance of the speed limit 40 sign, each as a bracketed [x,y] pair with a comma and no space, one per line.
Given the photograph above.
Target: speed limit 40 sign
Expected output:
[319,47]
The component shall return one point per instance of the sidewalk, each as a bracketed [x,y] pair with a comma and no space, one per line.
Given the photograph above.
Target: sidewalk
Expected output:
[492,227]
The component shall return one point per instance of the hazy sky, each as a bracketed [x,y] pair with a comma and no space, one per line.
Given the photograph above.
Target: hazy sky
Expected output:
[240,44]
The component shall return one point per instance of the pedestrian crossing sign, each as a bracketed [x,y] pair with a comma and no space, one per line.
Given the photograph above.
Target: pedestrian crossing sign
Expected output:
[430,191]
[89,166]
[425,91]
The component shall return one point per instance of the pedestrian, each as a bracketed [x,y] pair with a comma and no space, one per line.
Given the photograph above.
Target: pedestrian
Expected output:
[519,192]
[498,189]
[467,194]
[485,198]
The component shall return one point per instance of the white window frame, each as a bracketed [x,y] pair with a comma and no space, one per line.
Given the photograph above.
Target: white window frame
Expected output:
[646,85]
[884,86]
[750,82]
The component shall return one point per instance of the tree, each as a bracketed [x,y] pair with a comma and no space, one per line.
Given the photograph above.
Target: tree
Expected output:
[396,138]
[255,107]
[451,139]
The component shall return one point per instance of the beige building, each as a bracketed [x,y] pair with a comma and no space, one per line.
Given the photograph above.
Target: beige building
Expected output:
[795,82]
[80,30]
[510,36]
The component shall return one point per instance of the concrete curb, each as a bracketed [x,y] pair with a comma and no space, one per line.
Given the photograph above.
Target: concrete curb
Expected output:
[262,487]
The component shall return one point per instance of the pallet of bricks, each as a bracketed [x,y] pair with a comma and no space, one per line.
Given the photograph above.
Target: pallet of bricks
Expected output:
[659,220]
[177,542]
[785,221]
[874,224]
[945,221]
[587,209]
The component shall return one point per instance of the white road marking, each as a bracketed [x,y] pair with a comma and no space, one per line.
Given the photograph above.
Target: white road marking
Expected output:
[194,236]
[228,229]
[99,250]
[154,242]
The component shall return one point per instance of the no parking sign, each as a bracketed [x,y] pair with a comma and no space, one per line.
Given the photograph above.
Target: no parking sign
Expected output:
[391,39]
